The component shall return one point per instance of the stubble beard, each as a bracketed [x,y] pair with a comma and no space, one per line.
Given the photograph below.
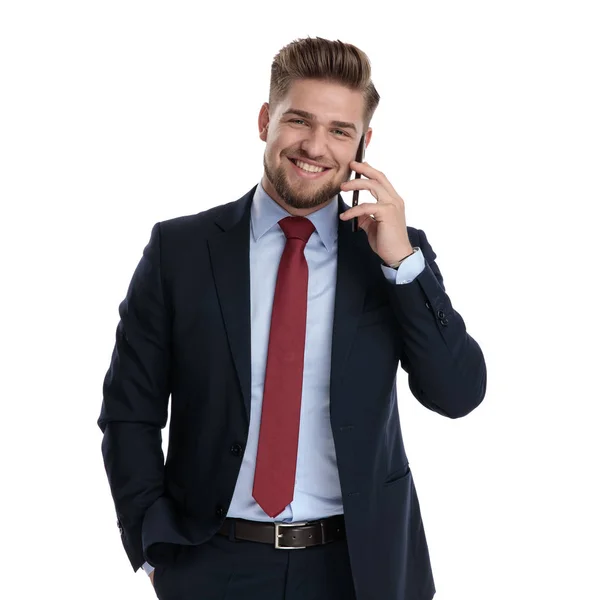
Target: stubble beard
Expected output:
[311,199]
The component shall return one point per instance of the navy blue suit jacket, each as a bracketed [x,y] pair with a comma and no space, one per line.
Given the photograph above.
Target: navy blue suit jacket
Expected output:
[184,332]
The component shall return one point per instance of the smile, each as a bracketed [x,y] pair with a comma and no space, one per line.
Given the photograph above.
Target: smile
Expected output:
[310,172]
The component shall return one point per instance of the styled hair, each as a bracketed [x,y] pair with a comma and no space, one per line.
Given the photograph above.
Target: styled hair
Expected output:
[327,60]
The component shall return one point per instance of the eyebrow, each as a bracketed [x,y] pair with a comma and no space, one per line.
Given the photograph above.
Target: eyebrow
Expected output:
[307,115]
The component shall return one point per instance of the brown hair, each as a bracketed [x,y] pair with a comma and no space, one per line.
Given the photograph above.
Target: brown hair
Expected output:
[318,58]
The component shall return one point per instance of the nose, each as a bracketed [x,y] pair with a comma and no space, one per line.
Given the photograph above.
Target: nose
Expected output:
[315,145]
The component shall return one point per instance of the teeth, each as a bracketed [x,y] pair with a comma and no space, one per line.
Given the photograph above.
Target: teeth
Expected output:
[307,167]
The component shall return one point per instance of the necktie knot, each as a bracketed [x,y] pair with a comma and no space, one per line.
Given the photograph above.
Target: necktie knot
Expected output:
[297,227]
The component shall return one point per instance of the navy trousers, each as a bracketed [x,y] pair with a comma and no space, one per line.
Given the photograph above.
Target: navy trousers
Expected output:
[227,569]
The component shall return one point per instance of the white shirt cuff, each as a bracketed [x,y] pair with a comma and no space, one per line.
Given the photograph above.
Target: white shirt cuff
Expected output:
[148,568]
[410,268]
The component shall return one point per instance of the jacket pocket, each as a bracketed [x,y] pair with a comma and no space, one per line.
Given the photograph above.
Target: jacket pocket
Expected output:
[397,476]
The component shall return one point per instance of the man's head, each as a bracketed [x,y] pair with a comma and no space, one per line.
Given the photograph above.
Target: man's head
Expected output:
[321,101]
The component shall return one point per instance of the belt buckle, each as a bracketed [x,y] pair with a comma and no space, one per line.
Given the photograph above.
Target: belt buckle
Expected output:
[279,535]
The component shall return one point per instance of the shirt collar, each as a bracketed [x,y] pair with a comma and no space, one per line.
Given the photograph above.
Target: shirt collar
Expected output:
[265,213]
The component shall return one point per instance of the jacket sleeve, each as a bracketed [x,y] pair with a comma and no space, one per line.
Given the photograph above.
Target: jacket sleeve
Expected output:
[136,392]
[445,365]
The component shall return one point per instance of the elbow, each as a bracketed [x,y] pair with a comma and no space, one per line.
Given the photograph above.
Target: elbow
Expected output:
[468,394]
[456,396]
[464,406]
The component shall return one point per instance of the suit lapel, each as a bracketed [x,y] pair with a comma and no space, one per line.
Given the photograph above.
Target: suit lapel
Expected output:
[230,261]
[351,287]
[229,256]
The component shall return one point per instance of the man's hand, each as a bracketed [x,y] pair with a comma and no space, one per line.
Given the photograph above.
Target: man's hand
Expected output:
[152,577]
[386,231]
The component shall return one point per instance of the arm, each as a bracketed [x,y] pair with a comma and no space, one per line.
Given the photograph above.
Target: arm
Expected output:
[135,399]
[445,365]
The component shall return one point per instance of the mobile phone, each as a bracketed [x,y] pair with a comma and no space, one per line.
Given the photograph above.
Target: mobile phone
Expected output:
[360,154]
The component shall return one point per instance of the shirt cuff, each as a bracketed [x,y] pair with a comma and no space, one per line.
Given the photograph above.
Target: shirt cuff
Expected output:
[410,268]
[148,568]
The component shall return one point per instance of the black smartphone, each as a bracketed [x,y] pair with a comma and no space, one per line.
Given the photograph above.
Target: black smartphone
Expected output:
[360,155]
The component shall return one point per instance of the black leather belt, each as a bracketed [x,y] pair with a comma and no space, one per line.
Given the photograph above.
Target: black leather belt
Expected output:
[287,536]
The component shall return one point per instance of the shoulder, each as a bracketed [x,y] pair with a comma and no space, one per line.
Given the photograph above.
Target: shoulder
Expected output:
[198,223]
[181,232]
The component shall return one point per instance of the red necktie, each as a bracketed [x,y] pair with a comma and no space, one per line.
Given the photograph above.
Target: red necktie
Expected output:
[277,453]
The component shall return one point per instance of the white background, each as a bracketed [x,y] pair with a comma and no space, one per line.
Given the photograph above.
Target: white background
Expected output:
[116,115]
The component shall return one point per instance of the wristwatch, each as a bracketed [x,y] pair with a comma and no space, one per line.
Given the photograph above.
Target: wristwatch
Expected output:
[397,264]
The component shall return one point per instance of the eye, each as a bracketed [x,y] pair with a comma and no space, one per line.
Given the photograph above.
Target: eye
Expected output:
[303,121]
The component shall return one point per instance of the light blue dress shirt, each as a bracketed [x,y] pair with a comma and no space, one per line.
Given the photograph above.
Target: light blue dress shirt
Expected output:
[317,492]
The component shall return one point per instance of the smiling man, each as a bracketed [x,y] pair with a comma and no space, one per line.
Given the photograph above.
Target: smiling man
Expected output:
[308,156]
[277,333]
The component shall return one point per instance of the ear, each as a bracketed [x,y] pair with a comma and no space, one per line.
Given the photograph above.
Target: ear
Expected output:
[368,137]
[263,122]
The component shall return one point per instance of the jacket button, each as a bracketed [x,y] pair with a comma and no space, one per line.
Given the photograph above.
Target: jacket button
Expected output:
[428,305]
[236,449]
[441,314]
[220,512]
[444,322]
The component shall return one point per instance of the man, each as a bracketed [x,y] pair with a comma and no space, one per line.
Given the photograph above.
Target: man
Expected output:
[277,332]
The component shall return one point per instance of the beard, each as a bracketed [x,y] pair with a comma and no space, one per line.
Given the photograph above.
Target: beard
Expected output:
[295,196]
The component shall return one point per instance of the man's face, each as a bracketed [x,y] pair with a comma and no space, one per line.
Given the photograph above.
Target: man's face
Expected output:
[310,134]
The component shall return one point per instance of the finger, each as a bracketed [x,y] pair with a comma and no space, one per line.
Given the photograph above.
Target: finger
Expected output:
[359,184]
[376,189]
[364,168]
[365,222]
[366,208]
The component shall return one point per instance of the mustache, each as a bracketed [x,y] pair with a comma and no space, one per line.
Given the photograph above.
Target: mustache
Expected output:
[301,155]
